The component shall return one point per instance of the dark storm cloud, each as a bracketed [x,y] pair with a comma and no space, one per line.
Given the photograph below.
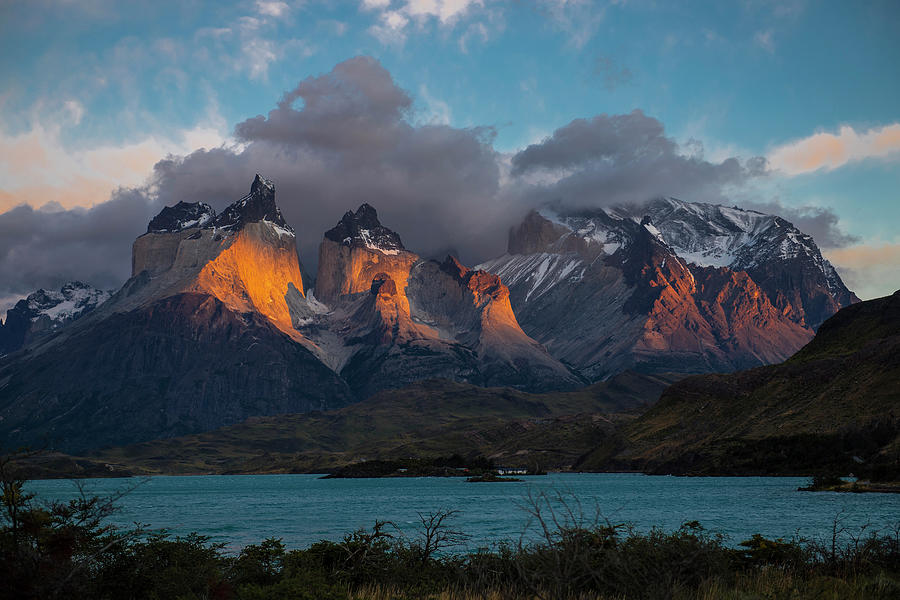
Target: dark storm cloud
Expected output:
[47,247]
[356,107]
[612,159]
[627,159]
[344,138]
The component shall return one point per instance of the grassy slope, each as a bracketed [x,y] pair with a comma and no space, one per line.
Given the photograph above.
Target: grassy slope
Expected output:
[837,398]
[431,418]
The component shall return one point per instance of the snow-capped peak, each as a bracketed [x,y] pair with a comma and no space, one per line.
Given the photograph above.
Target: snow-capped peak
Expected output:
[706,235]
[64,305]
[599,226]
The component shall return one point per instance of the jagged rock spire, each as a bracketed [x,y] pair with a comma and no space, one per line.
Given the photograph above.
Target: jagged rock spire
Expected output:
[362,229]
[258,205]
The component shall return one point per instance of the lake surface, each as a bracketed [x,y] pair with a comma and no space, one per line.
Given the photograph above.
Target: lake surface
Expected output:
[302,509]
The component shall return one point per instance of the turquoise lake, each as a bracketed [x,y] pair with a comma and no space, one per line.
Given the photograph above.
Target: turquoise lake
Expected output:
[302,509]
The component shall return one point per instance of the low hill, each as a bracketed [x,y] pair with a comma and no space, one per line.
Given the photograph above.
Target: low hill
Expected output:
[431,418]
[832,407]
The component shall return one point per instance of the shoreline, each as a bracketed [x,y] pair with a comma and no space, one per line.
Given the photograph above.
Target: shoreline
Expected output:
[861,487]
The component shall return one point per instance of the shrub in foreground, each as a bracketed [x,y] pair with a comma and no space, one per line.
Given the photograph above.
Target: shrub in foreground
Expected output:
[66,550]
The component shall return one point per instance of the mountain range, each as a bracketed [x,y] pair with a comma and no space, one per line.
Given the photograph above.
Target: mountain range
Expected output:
[831,410]
[669,285]
[216,326]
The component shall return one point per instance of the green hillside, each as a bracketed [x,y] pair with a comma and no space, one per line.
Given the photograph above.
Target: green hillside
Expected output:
[432,418]
[833,407]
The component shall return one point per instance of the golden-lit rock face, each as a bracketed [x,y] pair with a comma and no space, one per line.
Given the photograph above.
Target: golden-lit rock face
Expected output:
[250,270]
[717,310]
[500,331]
[394,322]
[253,273]
[486,294]
[401,318]
[345,270]
[470,306]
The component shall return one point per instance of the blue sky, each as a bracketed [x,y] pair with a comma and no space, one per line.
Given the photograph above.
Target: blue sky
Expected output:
[93,93]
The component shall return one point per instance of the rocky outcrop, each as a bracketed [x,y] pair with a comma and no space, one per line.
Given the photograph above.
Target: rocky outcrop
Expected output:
[255,273]
[396,318]
[783,261]
[181,216]
[246,257]
[356,250]
[611,293]
[256,207]
[183,364]
[45,311]
[201,336]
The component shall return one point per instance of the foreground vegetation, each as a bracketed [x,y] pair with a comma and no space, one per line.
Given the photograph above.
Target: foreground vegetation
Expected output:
[66,550]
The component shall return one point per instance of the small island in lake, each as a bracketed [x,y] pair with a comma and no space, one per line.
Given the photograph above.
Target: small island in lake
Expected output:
[474,468]
[490,478]
[830,483]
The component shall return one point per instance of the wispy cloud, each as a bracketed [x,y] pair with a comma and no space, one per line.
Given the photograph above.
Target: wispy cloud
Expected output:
[332,26]
[578,19]
[475,31]
[765,39]
[393,19]
[871,270]
[390,28]
[37,168]
[830,151]
[437,112]
[610,73]
[446,11]
[272,9]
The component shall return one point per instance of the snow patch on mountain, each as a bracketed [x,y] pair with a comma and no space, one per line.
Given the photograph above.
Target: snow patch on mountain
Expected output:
[541,272]
[181,216]
[66,304]
[706,234]
[696,234]
[281,230]
[599,227]
[314,305]
[362,229]
[375,242]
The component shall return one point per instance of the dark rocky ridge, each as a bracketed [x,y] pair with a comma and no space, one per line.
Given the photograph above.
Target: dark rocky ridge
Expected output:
[363,229]
[43,312]
[184,364]
[183,215]
[258,205]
